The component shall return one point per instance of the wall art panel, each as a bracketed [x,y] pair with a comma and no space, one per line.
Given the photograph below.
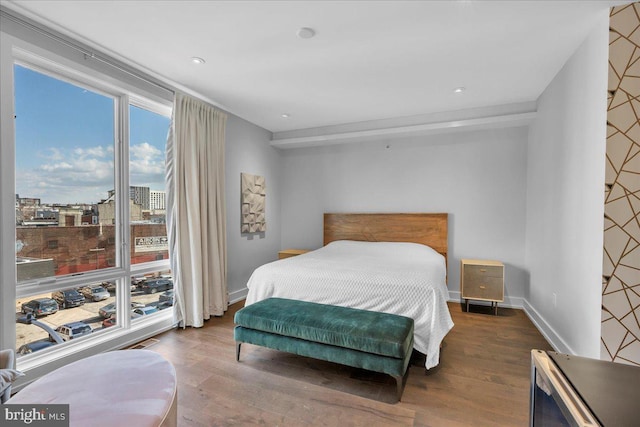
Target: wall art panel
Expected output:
[253,195]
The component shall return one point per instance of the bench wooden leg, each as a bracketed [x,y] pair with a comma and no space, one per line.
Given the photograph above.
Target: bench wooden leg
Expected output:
[399,385]
[238,351]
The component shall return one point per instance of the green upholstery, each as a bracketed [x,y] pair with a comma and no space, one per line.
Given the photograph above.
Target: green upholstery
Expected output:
[379,342]
[368,331]
[344,356]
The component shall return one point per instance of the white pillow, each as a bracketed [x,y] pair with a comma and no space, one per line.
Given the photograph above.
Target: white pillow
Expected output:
[7,376]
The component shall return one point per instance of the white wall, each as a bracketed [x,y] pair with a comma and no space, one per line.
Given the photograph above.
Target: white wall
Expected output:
[247,150]
[565,183]
[478,178]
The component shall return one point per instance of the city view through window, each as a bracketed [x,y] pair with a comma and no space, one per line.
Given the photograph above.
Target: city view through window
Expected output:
[66,207]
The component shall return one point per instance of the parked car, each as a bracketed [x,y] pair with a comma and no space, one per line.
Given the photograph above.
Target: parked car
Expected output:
[68,298]
[32,347]
[163,305]
[73,330]
[110,309]
[156,285]
[137,281]
[40,307]
[144,311]
[108,322]
[111,286]
[166,297]
[95,293]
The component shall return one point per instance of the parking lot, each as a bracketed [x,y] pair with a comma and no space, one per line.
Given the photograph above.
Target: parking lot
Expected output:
[87,313]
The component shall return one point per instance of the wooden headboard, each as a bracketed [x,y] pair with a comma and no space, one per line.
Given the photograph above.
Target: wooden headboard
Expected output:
[426,228]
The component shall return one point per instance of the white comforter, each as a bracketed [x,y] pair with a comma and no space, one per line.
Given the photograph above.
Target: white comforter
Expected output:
[400,278]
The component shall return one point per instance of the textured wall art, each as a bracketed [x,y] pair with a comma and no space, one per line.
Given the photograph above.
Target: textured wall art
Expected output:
[620,335]
[253,193]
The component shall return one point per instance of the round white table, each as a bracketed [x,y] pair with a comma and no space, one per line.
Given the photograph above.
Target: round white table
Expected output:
[119,388]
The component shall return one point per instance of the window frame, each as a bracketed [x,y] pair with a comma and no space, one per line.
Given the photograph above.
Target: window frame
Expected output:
[54,62]
[57,71]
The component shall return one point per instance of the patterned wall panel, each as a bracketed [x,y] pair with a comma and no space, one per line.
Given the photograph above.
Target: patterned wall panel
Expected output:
[620,337]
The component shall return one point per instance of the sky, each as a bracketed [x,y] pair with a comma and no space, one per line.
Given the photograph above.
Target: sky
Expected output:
[65,141]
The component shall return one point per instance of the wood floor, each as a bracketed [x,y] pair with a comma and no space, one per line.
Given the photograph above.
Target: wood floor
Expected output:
[482,380]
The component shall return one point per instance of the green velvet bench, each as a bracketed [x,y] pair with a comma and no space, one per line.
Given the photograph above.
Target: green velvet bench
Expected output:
[370,340]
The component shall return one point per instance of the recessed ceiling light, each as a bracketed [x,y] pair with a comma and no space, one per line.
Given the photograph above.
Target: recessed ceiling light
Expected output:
[306,33]
[197,60]
[459,89]
[285,116]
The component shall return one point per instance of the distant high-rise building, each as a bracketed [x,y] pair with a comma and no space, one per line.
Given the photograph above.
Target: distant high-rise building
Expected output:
[157,200]
[140,196]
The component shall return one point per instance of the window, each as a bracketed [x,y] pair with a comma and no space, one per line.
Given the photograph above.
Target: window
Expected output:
[65,159]
[79,182]
[147,138]
[148,232]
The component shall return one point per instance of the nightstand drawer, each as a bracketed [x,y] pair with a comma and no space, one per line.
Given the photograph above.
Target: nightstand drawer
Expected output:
[486,288]
[478,272]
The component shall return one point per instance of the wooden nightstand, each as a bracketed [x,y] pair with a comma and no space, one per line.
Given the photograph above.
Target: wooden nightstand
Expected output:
[482,280]
[288,253]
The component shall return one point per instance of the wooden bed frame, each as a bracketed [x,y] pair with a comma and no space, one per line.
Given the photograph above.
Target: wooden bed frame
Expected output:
[425,228]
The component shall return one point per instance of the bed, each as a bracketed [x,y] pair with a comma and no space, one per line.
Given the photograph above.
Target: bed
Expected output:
[392,263]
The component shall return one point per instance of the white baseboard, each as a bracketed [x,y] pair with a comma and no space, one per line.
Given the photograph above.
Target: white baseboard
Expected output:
[538,321]
[546,330]
[236,296]
[509,302]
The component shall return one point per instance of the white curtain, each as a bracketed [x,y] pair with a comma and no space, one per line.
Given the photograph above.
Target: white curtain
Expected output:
[196,220]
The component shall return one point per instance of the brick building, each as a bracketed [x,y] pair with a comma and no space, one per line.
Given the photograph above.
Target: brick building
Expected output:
[89,247]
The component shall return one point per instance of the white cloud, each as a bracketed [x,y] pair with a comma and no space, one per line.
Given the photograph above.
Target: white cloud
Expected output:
[57,166]
[144,150]
[146,165]
[85,175]
[55,154]
[92,152]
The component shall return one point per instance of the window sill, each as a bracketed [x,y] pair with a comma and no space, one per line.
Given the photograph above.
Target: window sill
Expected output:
[37,365]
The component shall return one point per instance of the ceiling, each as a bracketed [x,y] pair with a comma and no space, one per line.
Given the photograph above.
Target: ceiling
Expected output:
[369,60]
